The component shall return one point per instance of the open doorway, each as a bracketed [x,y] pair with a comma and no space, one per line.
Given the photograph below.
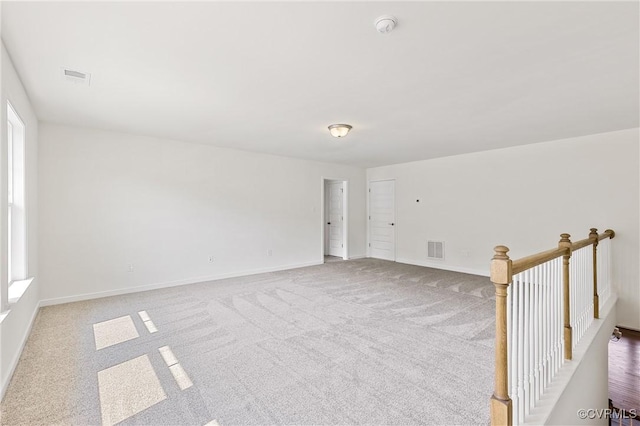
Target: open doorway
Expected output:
[334,219]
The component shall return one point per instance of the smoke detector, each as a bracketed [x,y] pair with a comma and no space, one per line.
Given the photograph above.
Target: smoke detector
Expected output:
[386,24]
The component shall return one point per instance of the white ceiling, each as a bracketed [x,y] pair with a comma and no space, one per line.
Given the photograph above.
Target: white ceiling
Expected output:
[453,77]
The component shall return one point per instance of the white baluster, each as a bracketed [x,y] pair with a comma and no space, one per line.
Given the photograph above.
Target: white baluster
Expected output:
[521,349]
[536,336]
[513,373]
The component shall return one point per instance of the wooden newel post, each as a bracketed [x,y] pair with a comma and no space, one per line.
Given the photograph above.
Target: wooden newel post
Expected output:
[596,302]
[565,243]
[501,411]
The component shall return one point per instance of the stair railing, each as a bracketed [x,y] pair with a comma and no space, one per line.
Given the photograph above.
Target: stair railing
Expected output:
[544,305]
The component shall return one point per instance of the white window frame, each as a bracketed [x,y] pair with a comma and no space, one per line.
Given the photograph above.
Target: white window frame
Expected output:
[17,262]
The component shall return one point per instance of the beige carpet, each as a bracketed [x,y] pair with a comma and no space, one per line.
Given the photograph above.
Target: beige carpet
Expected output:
[354,342]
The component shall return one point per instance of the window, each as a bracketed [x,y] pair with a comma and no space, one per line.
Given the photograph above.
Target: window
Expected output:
[16,211]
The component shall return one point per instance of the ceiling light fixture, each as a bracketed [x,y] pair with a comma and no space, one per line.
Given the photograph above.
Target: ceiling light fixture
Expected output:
[339,130]
[386,23]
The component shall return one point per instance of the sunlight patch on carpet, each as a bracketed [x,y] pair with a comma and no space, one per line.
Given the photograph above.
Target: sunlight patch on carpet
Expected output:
[181,377]
[127,389]
[146,320]
[112,332]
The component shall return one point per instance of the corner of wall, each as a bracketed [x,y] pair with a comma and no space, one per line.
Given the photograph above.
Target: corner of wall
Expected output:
[17,320]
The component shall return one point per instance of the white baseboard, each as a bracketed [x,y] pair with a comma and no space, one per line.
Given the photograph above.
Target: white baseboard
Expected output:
[16,357]
[147,287]
[361,256]
[440,265]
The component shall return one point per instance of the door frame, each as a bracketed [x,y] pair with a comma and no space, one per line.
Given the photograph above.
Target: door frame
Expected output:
[345,214]
[395,216]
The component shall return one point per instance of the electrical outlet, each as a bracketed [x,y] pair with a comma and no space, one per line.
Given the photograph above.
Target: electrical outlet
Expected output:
[269,252]
[130,267]
[211,259]
[465,253]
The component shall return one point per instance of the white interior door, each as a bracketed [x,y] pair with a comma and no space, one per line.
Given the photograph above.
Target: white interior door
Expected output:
[382,217]
[335,219]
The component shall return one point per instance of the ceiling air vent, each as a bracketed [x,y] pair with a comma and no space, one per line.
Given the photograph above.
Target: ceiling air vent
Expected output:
[435,249]
[77,77]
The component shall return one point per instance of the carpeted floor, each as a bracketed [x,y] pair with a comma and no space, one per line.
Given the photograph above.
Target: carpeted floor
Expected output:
[355,342]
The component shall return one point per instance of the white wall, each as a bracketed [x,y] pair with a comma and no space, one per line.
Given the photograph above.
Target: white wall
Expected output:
[15,322]
[111,199]
[524,197]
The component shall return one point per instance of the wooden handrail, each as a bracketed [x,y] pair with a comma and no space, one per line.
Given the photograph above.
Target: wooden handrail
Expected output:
[609,233]
[592,239]
[534,260]
[503,270]
[582,243]
[528,262]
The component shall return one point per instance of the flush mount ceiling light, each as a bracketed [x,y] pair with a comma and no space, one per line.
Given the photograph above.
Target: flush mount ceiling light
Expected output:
[339,130]
[386,23]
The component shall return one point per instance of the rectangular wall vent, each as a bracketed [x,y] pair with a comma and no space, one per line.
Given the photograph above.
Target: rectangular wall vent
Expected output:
[76,74]
[77,77]
[435,249]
